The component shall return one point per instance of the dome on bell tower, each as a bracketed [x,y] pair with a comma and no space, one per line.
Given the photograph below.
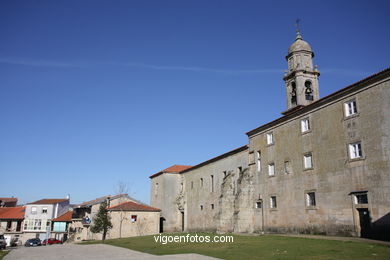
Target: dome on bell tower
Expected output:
[299,45]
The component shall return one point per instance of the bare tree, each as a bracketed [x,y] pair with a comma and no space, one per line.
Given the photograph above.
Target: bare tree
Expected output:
[121,188]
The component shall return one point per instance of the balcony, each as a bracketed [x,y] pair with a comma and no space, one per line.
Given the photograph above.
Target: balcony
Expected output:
[86,221]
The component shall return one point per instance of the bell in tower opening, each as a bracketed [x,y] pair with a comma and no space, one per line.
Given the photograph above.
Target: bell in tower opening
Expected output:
[308,91]
[301,78]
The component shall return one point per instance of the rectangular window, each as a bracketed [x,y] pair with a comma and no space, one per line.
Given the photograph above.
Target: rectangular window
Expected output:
[308,161]
[272,202]
[311,199]
[201,182]
[155,189]
[201,207]
[271,169]
[270,138]
[355,150]
[361,198]
[287,167]
[258,161]
[212,206]
[133,218]
[258,205]
[212,183]
[33,210]
[19,226]
[305,125]
[350,108]
[9,225]
[44,210]
[37,224]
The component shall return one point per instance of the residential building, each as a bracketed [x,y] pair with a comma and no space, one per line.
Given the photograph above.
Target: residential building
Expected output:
[83,214]
[60,226]
[39,214]
[11,220]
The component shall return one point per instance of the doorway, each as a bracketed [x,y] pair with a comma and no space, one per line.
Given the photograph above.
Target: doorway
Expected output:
[182,221]
[162,224]
[365,222]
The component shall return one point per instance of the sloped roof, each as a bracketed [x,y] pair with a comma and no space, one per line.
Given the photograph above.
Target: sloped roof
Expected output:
[173,169]
[132,206]
[9,199]
[219,157]
[67,217]
[99,200]
[12,212]
[48,201]
[322,101]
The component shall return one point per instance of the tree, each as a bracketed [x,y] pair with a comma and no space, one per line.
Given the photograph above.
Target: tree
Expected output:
[102,221]
[121,189]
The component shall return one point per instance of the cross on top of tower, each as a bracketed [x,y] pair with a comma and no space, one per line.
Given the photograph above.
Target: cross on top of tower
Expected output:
[298,29]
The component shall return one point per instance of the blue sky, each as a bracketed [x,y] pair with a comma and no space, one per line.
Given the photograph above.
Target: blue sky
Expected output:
[96,92]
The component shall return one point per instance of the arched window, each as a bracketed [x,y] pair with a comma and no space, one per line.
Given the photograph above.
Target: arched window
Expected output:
[308,90]
[293,93]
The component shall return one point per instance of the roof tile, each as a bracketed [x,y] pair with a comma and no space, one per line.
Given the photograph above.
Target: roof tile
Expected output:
[67,217]
[12,213]
[132,206]
[172,169]
[48,201]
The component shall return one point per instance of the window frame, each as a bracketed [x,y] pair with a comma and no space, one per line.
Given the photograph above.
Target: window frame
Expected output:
[311,202]
[346,108]
[287,170]
[305,156]
[271,165]
[305,128]
[352,153]
[273,202]
[356,200]
[258,161]
[270,138]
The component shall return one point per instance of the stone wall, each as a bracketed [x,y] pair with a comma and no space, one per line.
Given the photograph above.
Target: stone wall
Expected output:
[147,224]
[333,176]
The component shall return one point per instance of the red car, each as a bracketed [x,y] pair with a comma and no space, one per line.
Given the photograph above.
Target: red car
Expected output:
[51,241]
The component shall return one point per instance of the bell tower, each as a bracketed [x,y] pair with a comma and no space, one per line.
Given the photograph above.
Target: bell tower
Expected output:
[301,79]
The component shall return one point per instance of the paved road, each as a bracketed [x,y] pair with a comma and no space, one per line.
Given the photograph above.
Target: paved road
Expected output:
[98,251]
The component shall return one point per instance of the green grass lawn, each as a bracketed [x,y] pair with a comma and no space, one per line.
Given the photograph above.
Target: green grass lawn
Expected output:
[3,253]
[260,247]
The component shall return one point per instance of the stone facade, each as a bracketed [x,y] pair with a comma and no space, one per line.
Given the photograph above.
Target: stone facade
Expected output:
[134,223]
[122,210]
[322,168]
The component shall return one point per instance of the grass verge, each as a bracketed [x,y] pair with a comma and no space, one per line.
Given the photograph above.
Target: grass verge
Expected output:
[259,247]
[3,253]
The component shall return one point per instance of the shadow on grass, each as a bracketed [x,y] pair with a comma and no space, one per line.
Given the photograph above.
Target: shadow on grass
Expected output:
[258,247]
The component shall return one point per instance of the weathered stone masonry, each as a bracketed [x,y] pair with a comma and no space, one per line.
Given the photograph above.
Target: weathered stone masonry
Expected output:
[322,168]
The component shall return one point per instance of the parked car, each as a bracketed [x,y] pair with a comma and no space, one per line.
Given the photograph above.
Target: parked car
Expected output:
[51,241]
[3,243]
[33,242]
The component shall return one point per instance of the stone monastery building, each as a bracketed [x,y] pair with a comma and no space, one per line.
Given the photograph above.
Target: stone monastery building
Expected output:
[321,168]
